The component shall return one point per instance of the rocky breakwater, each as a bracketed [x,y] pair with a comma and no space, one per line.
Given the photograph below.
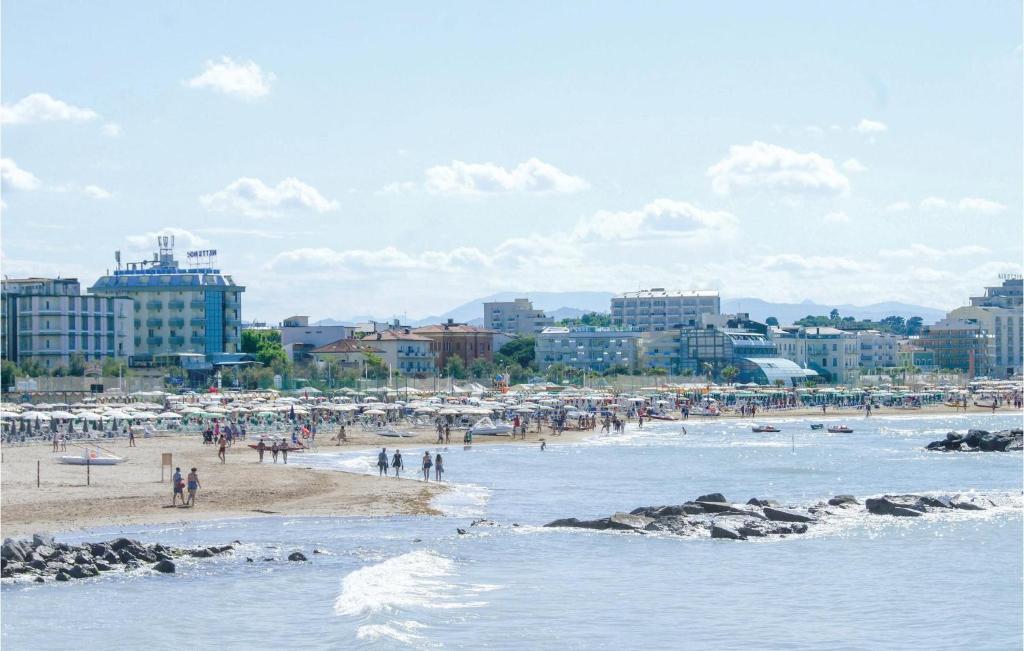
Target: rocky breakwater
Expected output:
[707,516]
[715,517]
[979,440]
[42,558]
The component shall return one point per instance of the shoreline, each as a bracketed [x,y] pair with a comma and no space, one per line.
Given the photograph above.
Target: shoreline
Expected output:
[131,494]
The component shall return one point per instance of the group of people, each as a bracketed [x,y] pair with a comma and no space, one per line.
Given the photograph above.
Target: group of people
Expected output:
[180,484]
[278,447]
[398,463]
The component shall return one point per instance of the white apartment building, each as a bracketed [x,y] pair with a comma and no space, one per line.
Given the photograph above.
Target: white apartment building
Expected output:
[515,317]
[299,339]
[660,309]
[47,320]
[833,353]
[1000,312]
[878,349]
[194,309]
[403,350]
[589,348]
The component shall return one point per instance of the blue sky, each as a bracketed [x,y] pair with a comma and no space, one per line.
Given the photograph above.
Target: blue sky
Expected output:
[357,159]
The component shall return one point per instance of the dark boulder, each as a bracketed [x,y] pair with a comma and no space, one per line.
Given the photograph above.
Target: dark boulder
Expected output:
[63,576]
[579,524]
[718,531]
[99,550]
[103,566]
[966,505]
[296,556]
[900,511]
[719,507]
[38,564]
[165,566]
[751,532]
[886,504]
[712,497]
[628,522]
[83,571]
[935,502]
[13,550]
[753,501]
[111,557]
[973,437]
[843,500]
[39,539]
[45,551]
[202,552]
[782,515]
[121,543]
[481,523]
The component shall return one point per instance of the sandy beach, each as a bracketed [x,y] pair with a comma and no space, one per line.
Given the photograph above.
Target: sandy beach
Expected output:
[132,493]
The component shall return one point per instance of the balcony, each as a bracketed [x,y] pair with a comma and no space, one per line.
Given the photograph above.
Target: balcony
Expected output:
[50,311]
[197,322]
[176,322]
[231,321]
[233,338]
[176,341]
[154,341]
[154,323]
[197,339]
[155,306]
[197,304]
[176,305]
[138,324]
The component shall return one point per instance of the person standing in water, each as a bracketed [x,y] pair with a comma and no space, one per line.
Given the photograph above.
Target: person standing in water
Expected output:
[382,462]
[427,463]
[193,486]
[396,461]
[438,467]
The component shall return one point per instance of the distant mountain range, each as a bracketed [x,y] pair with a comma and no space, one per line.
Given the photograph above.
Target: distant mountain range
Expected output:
[565,305]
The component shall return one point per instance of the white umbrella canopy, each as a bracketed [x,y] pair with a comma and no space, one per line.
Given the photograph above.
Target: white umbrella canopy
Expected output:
[168,415]
[35,415]
[144,415]
[61,414]
[90,416]
[118,414]
[373,412]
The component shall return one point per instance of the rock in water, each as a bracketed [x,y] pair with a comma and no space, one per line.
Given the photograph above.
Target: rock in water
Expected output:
[718,531]
[906,513]
[781,515]
[579,524]
[166,567]
[712,497]
[629,522]
[296,556]
[843,500]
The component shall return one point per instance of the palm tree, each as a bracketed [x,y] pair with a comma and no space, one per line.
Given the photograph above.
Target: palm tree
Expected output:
[709,371]
[729,373]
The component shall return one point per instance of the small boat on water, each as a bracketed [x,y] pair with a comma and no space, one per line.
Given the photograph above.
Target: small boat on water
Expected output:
[91,458]
[487,427]
[817,426]
[661,417]
[840,429]
[764,428]
[391,432]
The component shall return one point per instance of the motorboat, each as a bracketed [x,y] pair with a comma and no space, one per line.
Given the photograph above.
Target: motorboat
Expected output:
[817,426]
[661,417]
[89,458]
[487,427]
[840,429]
[764,428]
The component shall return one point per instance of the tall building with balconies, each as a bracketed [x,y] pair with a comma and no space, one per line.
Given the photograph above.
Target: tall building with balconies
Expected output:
[660,309]
[515,317]
[47,320]
[190,309]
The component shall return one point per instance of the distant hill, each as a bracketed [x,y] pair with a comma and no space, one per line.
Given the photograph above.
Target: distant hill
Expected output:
[786,313]
[567,305]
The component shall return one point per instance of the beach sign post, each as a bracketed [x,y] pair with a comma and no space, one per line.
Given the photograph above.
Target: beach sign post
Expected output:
[165,461]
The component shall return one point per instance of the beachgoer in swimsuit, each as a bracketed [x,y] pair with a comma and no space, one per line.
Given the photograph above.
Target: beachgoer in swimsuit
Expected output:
[261,447]
[193,486]
[427,463]
[382,462]
[438,467]
[221,450]
[274,450]
[396,462]
[179,488]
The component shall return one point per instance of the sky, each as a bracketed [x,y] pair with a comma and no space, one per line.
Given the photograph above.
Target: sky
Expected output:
[403,158]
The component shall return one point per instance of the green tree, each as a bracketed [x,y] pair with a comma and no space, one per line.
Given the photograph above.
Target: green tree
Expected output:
[253,340]
[729,373]
[482,369]
[76,365]
[556,372]
[656,371]
[375,367]
[520,350]
[914,325]
[455,367]
[833,315]
[112,367]
[617,369]
[709,371]
[8,372]
[772,321]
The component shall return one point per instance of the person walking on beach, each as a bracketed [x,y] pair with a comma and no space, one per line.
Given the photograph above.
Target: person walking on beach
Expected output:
[448,431]
[131,437]
[179,488]
[382,462]
[222,445]
[396,461]
[261,447]
[193,486]
[284,452]
[56,440]
[427,463]
[274,450]
[438,467]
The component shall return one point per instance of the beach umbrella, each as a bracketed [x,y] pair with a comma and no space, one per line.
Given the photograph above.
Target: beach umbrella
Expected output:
[373,412]
[168,415]
[61,414]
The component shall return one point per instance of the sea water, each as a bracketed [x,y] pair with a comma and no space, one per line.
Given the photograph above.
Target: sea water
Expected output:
[942,581]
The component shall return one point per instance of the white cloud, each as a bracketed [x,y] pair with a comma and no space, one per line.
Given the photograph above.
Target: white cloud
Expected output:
[253,198]
[13,177]
[182,237]
[979,205]
[96,192]
[870,126]
[771,168]
[967,204]
[41,107]
[111,129]
[925,251]
[380,261]
[837,217]
[854,165]
[660,219]
[899,206]
[794,262]
[243,79]
[534,176]
[398,188]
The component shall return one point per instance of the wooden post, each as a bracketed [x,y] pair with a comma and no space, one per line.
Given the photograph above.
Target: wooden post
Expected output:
[165,460]
[88,466]
[37,473]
